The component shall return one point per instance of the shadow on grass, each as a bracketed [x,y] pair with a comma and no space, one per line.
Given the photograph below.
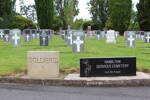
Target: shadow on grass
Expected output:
[144,47]
[145,53]
[68,52]
[29,45]
[4,45]
[122,46]
[59,45]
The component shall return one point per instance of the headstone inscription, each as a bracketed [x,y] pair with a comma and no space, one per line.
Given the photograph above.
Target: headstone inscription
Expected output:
[16,37]
[43,64]
[108,67]
[131,41]
[147,37]
[78,42]
[44,41]
[111,37]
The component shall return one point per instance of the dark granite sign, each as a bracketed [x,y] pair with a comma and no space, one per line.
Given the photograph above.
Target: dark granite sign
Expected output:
[107,67]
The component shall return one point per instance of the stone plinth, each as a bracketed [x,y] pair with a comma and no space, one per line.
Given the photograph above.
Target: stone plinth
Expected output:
[43,64]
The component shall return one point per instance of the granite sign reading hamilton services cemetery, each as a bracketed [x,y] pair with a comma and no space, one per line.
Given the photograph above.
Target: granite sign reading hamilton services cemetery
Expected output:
[103,67]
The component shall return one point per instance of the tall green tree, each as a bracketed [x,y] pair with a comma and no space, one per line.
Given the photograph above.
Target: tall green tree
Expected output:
[6,12]
[134,25]
[120,14]
[144,14]
[99,11]
[45,13]
[67,10]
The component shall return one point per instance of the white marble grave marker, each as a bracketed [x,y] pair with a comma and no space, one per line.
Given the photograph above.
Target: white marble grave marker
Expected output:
[131,41]
[78,42]
[16,40]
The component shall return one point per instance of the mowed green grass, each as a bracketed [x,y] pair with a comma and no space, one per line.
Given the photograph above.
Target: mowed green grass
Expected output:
[14,59]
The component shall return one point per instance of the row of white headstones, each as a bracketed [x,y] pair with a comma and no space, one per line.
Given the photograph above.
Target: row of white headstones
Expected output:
[112,35]
[140,35]
[78,40]
[14,36]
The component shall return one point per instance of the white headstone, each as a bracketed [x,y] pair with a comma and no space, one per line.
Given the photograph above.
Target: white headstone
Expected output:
[78,42]
[1,34]
[16,39]
[111,37]
[131,41]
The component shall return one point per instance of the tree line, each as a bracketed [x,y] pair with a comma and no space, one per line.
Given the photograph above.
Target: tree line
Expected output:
[119,15]
[56,14]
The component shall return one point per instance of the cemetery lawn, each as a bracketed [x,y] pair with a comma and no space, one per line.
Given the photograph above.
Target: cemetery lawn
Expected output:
[14,59]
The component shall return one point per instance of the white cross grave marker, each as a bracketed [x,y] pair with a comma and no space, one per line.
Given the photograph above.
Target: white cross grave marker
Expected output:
[131,39]
[6,37]
[78,42]
[27,36]
[33,35]
[142,37]
[148,38]
[1,34]
[16,38]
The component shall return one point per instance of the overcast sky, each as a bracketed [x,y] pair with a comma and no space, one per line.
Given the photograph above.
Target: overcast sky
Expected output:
[84,13]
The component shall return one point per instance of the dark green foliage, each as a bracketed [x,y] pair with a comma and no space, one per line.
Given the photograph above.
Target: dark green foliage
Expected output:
[45,12]
[86,24]
[120,14]
[99,11]
[6,12]
[134,25]
[144,14]
[78,24]
[66,10]
[22,23]
[57,23]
